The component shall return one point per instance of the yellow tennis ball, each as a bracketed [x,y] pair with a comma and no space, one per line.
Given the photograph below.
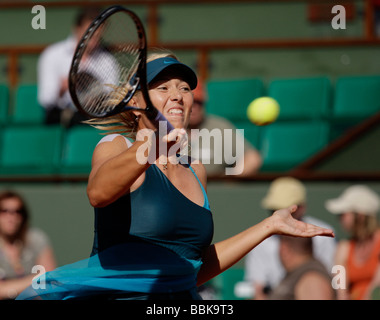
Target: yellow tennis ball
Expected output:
[263,111]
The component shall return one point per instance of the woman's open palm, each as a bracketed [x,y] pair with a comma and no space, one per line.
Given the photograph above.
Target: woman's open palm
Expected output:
[285,224]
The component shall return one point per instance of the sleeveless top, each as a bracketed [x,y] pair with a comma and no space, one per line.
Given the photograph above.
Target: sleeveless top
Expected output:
[147,241]
[360,275]
[157,213]
[286,289]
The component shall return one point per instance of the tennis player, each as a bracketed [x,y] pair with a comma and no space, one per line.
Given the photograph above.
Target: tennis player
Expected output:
[153,224]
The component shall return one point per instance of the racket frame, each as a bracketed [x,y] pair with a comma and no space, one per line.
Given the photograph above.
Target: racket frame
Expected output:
[140,80]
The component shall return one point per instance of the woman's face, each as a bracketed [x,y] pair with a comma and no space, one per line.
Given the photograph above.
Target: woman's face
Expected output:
[10,216]
[347,221]
[173,98]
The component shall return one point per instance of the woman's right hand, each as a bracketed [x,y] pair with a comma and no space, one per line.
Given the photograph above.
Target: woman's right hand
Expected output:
[159,144]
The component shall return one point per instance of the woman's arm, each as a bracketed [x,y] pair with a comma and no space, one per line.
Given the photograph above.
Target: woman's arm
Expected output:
[47,259]
[222,255]
[115,167]
[10,289]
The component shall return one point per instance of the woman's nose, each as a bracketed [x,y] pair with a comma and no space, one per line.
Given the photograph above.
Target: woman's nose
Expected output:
[175,94]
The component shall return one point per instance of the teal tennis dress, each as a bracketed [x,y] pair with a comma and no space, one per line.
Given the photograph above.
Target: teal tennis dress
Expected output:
[147,245]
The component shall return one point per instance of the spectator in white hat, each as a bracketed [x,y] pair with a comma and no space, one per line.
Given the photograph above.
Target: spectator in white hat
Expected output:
[357,208]
[263,267]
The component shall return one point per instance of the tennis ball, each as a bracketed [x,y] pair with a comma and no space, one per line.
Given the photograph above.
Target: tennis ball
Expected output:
[263,111]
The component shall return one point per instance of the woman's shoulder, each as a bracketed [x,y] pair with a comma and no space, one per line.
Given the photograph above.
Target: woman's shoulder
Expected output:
[36,238]
[110,146]
[196,164]
[199,170]
[115,137]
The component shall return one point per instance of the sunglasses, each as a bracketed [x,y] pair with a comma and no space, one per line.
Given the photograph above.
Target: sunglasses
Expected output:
[19,211]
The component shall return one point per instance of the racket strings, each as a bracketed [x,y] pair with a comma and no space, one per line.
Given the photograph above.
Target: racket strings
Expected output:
[105,76]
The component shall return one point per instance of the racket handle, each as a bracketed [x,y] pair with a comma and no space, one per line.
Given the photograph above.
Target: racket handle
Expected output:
[160,117]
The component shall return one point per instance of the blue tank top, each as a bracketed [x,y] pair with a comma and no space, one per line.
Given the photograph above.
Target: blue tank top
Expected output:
[157,212]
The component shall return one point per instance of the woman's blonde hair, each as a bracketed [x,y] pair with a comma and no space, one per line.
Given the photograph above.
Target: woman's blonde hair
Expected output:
[125,123]
[365,227]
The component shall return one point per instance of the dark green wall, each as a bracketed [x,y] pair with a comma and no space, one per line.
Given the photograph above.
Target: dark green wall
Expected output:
[219,22]
[362,155]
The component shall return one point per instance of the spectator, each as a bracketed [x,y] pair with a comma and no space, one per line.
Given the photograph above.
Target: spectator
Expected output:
[376,18]
[263,267]
[306,277]
[21,248]
[246,165]
[53,70]
[357,208]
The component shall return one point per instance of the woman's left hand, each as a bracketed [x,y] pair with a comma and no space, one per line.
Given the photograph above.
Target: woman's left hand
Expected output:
[284,224]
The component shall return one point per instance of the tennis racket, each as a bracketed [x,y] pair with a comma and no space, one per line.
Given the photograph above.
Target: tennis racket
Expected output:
[109,65]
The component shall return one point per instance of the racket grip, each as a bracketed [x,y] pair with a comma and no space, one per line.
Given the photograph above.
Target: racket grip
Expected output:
[160,117]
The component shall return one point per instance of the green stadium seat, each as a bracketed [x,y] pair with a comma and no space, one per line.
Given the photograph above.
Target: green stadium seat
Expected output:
[356,97]
[78,146]
[302,98]
[225,283]
[27,110]
[284,145]
[4,103]
[230,98]
[30,149]
[251,132]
